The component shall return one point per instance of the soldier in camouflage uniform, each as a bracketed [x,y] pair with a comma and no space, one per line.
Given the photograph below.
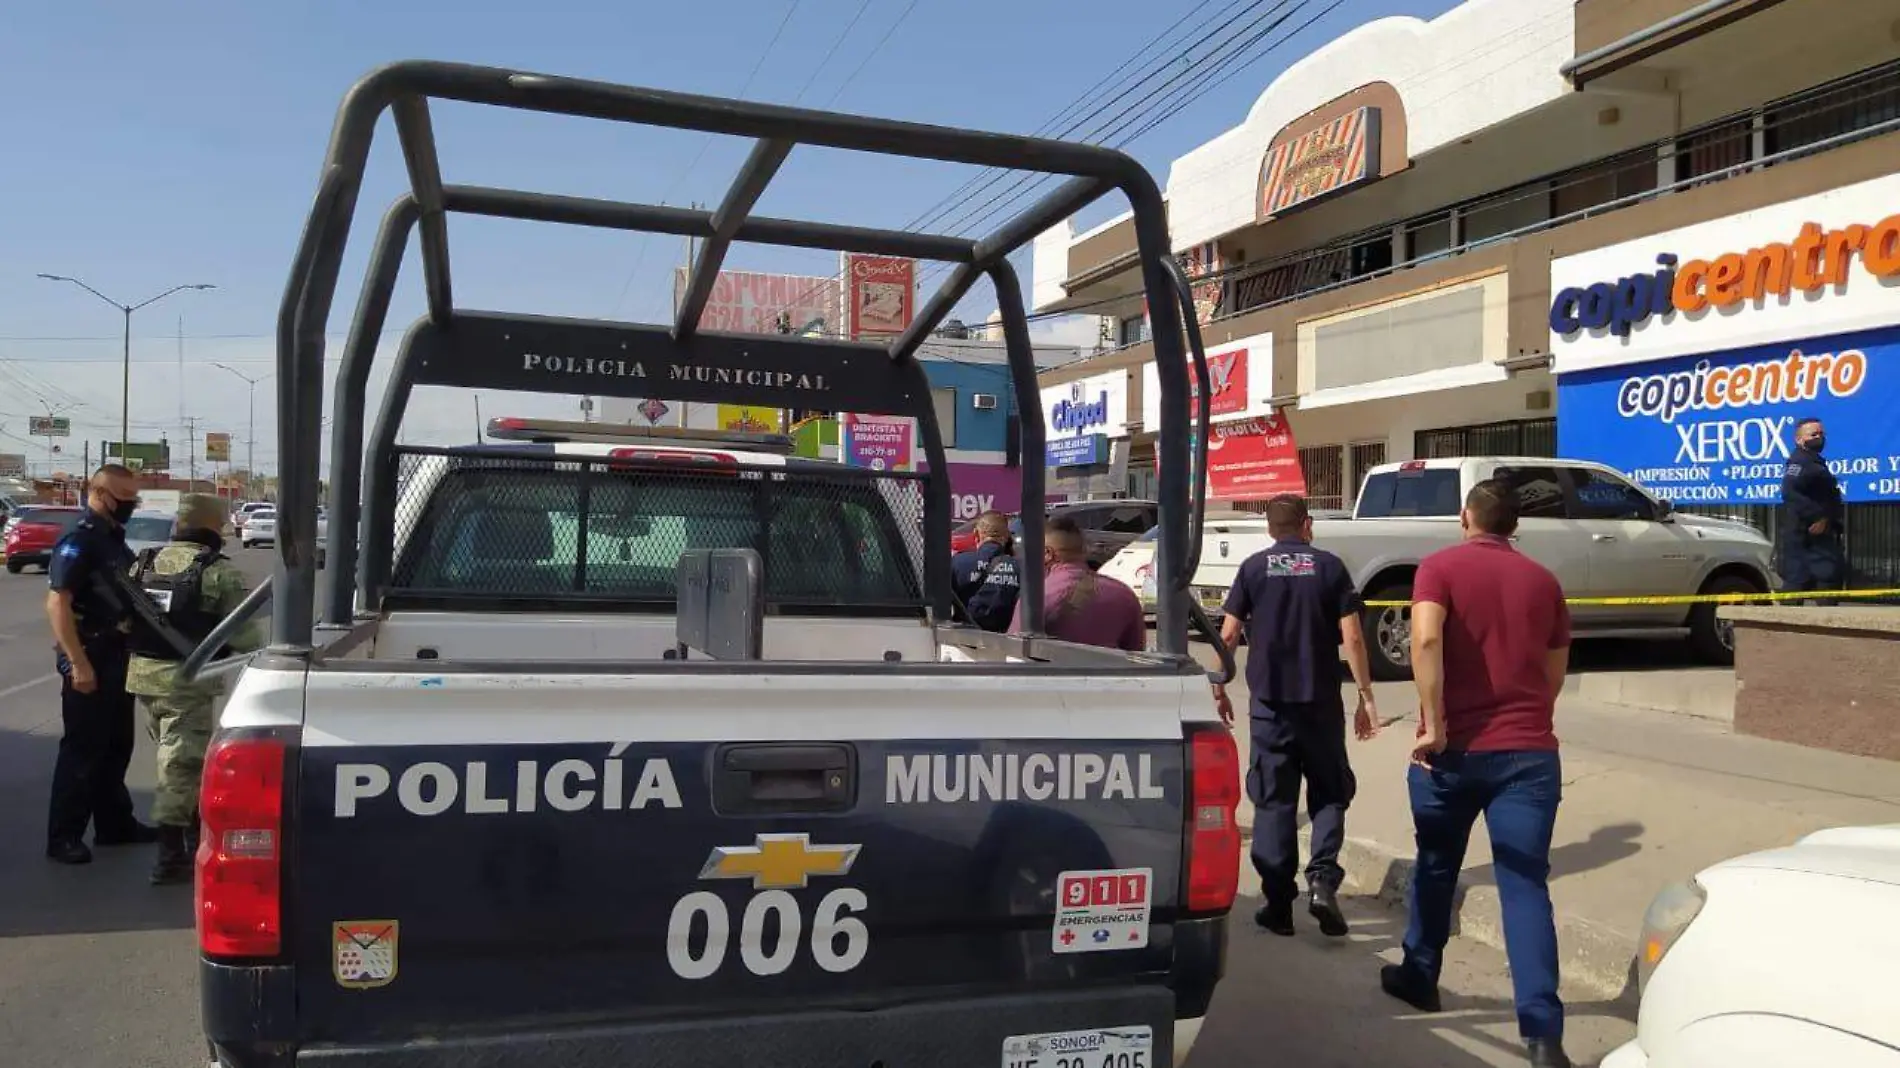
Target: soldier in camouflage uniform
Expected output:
[180,717]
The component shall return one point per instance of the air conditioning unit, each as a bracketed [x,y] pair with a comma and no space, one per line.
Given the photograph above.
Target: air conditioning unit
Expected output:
[983,402]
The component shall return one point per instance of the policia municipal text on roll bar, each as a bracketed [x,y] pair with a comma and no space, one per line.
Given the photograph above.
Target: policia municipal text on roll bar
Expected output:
[675,361]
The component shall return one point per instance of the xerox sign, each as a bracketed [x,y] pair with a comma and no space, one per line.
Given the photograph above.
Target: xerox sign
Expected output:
[1719,428]
[1820,265]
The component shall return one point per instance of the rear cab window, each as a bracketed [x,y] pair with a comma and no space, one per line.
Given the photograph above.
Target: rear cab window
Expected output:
[1411,493]
[500,529]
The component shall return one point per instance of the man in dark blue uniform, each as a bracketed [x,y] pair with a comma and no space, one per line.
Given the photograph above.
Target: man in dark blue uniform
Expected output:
[988,578]
[1813,556]
[1297,605]
[90,624]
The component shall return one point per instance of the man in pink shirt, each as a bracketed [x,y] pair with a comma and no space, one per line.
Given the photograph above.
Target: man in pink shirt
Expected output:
[1079,605]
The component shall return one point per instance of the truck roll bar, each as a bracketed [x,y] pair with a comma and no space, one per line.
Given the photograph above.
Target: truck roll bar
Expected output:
[677,360]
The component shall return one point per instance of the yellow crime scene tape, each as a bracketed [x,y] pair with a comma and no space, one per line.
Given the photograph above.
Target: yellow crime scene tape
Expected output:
[1704,598]
[1683,598]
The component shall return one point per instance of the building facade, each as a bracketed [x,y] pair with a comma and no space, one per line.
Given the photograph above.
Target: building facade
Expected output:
[1443,237]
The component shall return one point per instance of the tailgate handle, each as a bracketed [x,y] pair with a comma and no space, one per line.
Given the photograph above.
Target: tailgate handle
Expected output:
[794,778]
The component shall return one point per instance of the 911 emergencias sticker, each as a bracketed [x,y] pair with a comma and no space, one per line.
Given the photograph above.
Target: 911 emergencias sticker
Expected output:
[1099,911]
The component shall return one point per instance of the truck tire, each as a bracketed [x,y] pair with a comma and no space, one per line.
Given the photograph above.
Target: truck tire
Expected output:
[1711,638]
[1389,633]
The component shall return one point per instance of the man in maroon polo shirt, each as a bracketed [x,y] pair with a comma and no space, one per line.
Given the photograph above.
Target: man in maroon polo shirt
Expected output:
[1490,645]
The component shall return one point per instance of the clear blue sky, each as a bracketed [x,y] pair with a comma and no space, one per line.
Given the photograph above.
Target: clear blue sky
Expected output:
[155,144]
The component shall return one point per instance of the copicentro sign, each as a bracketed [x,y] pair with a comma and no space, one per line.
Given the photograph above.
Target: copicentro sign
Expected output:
[1816,258]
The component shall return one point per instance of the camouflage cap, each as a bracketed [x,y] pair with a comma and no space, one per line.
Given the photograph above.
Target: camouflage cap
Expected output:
[201,510]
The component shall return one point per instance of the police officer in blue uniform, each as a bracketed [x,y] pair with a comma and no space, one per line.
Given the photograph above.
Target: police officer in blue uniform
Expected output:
[91,625]
[988,578]
[1813,556]
[1297,605]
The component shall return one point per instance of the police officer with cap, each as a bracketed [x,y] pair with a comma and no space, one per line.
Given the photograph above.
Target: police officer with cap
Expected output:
[1813,556]
[1297,606]
[988,578]
[90,628]
[195,586]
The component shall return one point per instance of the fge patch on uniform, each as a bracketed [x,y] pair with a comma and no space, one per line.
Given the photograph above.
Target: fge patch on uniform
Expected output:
[1290,565]
[365,953]
[1098,911]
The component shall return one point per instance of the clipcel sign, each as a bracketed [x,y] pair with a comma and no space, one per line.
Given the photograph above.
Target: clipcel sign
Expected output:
[1814,259]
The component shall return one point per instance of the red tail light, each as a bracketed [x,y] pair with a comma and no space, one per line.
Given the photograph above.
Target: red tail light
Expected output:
[240,859]
[1213,835]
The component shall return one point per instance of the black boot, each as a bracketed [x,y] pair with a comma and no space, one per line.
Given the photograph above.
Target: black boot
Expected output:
[1277,917]
[174,862]
[1323,903]
[1547,1053]
[1410,987]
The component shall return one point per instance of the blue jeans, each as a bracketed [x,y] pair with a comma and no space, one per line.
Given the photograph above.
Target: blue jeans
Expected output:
[1517,792]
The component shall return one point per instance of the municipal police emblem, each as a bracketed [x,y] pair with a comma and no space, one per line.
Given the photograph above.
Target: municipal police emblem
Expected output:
[365,953]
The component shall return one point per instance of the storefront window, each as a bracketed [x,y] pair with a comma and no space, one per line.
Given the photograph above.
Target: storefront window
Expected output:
[1323,466]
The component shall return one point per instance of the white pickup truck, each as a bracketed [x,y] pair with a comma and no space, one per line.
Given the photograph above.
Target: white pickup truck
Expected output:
[663,750]
[1601,534]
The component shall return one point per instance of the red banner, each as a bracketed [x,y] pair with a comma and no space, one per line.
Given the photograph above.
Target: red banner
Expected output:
[1227,374]
[1252,460]
[880,295]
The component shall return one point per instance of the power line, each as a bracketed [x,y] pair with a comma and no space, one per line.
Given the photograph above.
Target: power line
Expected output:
[832,51]
[646,239]
[874,50]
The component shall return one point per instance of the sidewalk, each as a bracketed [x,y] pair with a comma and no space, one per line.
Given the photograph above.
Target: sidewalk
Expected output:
[1649,798]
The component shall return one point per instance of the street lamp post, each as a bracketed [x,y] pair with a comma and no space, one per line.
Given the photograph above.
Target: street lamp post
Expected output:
[250,438]
[125,383]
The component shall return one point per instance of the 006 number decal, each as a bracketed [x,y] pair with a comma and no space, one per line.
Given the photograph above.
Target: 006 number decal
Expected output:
[838,939]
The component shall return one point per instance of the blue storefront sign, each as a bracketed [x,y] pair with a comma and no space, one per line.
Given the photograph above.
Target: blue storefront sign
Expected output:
[1078,451]
[1718,428]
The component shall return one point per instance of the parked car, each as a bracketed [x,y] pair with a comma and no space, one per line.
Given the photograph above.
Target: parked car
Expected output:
[1783,957]
[261,529]
[1134,564]
[33,530]
[241,515]
[1603,536]
[150,528]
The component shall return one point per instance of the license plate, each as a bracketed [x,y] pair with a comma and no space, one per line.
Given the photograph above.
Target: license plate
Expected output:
[1114,1047]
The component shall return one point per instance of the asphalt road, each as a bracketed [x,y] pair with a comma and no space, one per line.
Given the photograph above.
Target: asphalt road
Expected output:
[97,967]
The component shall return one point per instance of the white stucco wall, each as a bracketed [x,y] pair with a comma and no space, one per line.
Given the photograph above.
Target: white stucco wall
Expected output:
[1476,65]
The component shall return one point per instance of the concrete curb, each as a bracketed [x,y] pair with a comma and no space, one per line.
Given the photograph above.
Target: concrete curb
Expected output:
[1598,964]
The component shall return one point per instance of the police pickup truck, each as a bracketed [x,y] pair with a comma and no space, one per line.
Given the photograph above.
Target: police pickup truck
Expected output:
[653,749]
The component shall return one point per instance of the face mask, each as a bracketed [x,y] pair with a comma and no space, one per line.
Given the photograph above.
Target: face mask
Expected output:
[122,511]
[1817,442]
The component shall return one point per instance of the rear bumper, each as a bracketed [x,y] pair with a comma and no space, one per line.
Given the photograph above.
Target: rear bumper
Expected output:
[28,557]
[939,1034]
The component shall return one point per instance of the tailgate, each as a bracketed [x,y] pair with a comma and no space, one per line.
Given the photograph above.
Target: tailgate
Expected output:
[478,852]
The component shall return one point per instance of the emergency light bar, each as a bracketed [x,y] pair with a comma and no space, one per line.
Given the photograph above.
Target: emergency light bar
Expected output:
[560,431]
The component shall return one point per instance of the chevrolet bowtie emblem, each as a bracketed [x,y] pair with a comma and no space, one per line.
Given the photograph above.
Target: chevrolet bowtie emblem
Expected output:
[779,861]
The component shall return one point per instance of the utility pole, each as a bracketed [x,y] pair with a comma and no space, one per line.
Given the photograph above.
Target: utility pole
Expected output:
[250,438]
[191,433]
[125,385]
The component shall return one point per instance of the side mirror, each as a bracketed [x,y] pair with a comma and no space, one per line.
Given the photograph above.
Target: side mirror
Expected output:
[1665,512]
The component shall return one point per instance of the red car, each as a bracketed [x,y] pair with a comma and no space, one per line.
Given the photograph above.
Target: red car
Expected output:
[32,532]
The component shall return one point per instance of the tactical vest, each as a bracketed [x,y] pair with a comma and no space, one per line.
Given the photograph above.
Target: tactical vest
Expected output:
[180,596]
